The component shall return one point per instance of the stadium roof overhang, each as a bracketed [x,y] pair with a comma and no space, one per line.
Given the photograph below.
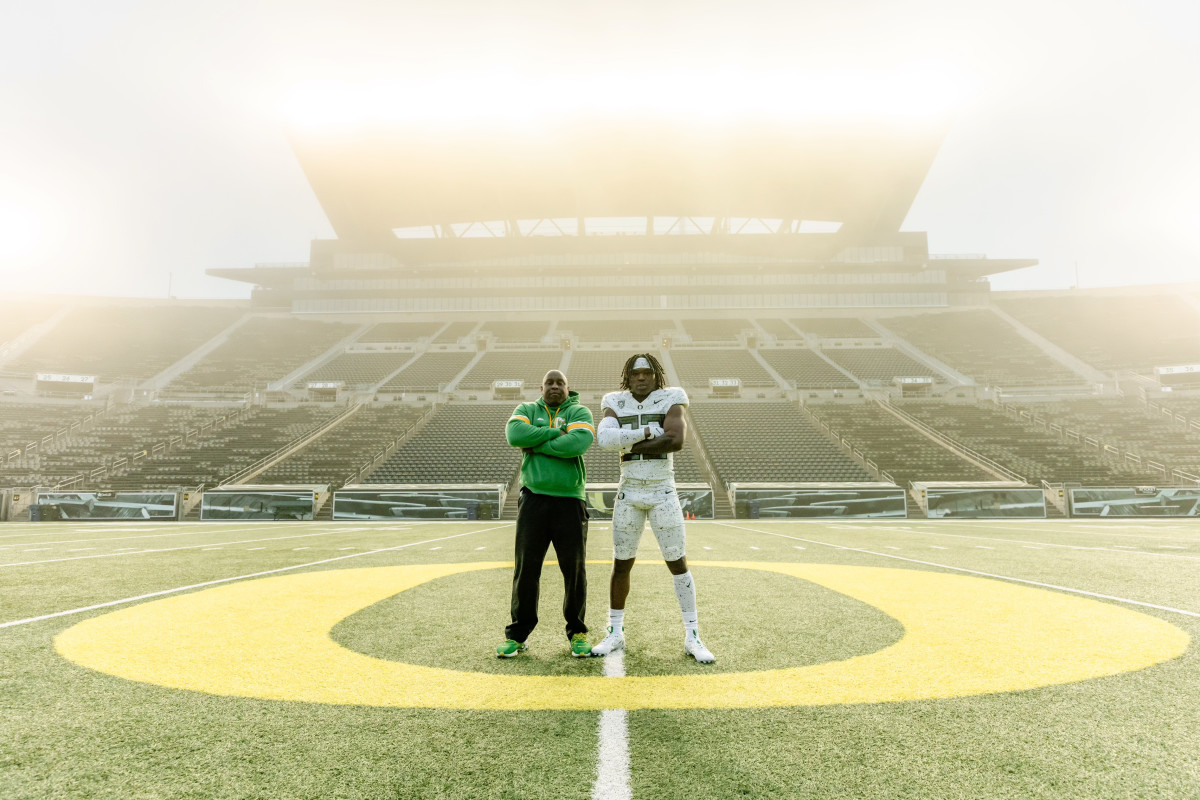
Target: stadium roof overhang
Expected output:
[378,183]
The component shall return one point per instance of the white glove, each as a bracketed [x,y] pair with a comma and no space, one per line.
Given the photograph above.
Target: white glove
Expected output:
[656,430]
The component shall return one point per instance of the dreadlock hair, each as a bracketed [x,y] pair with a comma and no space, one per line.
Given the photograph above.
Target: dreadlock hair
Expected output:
[660,376]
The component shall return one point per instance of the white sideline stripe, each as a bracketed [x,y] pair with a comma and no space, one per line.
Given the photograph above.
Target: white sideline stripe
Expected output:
[977,572]
[133,551]
[1105,528]
[111,603]
[144,536]
[1116,548]
[612,759]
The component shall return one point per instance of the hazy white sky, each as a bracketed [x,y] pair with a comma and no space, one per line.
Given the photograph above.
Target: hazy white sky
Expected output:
[141,139]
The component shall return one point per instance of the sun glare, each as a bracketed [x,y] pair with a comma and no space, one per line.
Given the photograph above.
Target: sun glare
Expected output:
[917,92]
[20,230]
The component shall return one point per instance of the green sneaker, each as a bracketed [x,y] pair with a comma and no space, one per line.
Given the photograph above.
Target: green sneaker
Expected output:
[510,648]
[580,647]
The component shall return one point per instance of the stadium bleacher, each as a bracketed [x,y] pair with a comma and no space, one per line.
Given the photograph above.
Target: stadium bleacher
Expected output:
[526,365]
[878,364]
[716,330]
[836,327]
[461,443]
[124,432]
[1127,426]
[455,331]
[780,330]
[748,441]
[16,320]
[260,351]
[806,369]
[597,370]
[1033,454]
[771,442]
[697,367]
[899,449]
[625,330]
[429,372]
[214,458]
[516,331]
[396,332]
[357,370]
[980,344]
[336,455]
[113,342]
[1111,333]
[22,424]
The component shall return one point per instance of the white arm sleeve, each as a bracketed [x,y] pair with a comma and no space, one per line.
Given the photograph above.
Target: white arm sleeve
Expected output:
[610,434]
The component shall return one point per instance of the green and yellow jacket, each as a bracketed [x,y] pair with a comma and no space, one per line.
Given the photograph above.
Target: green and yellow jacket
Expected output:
[558,438]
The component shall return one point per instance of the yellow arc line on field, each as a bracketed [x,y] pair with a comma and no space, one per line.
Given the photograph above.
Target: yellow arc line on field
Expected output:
[270,638]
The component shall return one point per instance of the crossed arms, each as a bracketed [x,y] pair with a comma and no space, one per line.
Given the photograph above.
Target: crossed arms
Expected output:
[674,429]
[571,442]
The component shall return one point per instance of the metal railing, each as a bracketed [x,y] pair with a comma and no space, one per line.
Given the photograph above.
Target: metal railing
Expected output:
[953,444]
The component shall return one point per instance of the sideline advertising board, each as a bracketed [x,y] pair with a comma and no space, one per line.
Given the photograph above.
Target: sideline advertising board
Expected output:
[126,506]
[818,501]
[1136,501]
[982,501]
[413,501]
[257,504]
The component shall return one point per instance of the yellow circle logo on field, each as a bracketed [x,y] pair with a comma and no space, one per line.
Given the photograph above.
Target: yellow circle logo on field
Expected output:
[270,639]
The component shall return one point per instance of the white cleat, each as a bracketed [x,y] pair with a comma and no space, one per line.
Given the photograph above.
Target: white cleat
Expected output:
[696,649]
[614,641]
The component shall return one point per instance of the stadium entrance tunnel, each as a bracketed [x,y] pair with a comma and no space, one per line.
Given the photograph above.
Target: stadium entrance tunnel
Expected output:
[270,638]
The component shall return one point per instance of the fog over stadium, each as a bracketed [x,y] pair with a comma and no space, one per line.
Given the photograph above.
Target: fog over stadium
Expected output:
[146,143]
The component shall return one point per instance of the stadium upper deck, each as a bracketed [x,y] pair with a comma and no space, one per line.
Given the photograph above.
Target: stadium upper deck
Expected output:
[627,216]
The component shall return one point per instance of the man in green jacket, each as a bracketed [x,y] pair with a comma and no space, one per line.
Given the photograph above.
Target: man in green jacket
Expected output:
[553,433]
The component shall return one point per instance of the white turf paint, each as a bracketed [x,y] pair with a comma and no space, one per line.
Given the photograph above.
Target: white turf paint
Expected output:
[612,760]
[143,536]
[974,572]
[133,551]
[1123,549]
[177,589]
[1075,526]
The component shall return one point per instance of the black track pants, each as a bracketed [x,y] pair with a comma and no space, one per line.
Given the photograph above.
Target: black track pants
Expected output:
[543,520]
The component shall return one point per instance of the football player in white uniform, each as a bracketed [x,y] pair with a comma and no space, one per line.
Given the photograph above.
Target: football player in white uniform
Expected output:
[645,422]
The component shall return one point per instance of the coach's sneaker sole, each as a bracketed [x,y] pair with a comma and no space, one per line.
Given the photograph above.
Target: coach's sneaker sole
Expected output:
[510,648]
[614,641]
[696,649]
[580,647]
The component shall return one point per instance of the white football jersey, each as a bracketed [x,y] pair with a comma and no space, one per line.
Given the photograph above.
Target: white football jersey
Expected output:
[631,415]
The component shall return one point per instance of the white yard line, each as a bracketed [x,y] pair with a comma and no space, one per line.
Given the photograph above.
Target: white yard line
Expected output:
[1116,548]
[975,572]
[136,552]
[177,589]
[612,760]
[144,536]
[1075,526]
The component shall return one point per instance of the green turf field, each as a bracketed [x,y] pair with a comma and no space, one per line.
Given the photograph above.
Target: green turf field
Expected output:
[355,660]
